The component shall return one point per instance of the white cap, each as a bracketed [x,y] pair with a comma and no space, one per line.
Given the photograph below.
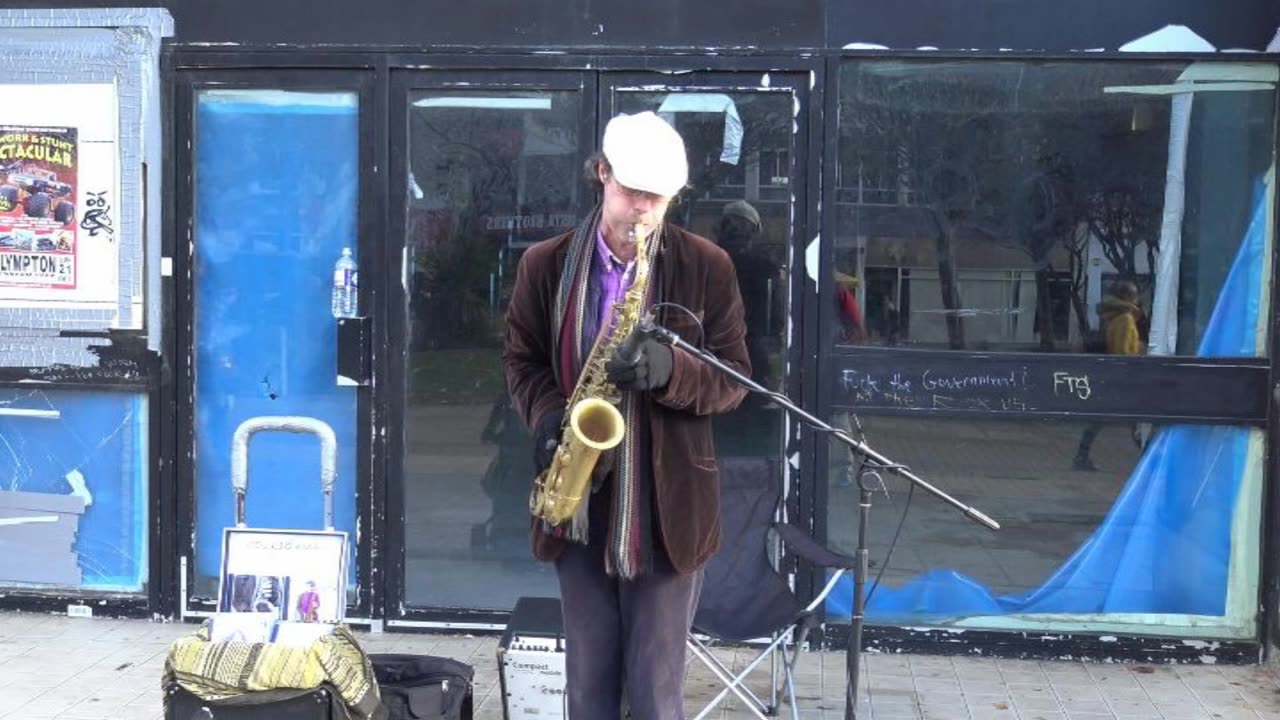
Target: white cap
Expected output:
[646,154]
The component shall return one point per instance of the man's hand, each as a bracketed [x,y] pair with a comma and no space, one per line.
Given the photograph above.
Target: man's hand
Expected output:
[546,436]
[650,371]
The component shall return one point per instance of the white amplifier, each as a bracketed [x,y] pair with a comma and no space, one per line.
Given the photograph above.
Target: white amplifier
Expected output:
[531,661]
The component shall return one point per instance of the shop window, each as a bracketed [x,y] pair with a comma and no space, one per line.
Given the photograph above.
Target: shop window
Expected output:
[1018,206]
[1106,527]
[73,490]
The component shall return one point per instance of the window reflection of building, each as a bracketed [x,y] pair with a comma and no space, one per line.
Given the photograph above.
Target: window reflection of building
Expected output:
[491,174]
[757,172]
[1000,196]
[989,206]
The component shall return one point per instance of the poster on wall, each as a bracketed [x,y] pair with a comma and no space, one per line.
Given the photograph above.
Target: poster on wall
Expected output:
[38,207]
[58,197]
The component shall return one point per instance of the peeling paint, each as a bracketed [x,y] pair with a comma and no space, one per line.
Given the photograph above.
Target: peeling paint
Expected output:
[811,261]
[1201,644]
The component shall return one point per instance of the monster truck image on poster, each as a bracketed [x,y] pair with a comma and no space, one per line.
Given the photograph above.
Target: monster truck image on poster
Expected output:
[38,207]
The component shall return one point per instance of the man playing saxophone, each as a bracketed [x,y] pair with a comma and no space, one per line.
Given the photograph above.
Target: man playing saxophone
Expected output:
[629,560]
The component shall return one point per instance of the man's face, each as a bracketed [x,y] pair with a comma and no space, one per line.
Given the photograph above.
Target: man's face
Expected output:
[624,207]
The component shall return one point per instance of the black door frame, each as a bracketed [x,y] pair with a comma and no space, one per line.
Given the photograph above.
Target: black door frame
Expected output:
[378,589]
[595,76]
[190,76]
[373,75]
[801,363]
[1235,378]
[393,392]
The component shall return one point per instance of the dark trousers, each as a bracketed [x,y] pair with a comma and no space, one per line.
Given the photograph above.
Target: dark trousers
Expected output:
[624,632]
[1086,441]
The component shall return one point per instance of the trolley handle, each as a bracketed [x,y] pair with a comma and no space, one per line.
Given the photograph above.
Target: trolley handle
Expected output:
[290,424]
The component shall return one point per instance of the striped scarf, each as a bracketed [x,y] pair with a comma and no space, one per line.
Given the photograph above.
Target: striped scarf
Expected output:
[630,538]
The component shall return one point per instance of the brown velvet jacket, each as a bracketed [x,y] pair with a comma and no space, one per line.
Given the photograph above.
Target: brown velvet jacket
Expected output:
[690,271]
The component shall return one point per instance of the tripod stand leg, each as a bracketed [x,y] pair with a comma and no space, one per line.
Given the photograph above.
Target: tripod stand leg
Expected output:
[853,654]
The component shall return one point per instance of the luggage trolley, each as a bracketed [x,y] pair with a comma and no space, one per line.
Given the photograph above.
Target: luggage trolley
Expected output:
[289,424]
[318,704]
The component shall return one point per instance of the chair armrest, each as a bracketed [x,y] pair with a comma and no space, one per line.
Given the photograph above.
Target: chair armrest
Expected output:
[802,544]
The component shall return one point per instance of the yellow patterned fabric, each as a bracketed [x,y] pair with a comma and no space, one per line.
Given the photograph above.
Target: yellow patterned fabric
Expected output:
[214,671]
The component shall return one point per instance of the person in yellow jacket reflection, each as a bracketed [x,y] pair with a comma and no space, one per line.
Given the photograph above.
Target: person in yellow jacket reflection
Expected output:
[1122,318]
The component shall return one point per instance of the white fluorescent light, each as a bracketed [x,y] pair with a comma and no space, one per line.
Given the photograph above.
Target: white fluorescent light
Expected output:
[22,412]
[1180,88]
[493,103]
[282,98]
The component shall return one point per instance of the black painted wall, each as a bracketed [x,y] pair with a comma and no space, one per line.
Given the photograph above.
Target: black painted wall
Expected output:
[1052,25]
[1046,24]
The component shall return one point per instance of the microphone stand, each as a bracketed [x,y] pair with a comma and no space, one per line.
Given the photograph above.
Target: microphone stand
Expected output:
[853,653]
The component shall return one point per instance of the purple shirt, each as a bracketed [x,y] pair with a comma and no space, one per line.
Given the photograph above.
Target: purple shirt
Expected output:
[614,277]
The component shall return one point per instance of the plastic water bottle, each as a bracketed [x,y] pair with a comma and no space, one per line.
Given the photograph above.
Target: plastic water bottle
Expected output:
[346,281]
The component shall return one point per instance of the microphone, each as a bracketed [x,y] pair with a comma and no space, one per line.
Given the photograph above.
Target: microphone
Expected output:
[629,350]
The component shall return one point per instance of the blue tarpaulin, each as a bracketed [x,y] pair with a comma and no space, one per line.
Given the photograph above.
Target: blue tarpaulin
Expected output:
[1165,545]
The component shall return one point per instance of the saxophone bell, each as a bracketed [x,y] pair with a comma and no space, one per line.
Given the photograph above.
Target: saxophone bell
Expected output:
[595,426]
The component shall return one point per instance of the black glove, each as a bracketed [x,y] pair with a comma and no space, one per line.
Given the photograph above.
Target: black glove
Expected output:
[650,371]
[604,466]
[546,436]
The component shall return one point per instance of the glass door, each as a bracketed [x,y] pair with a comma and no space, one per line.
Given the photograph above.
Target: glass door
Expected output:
[746,141]
[277,190]
[492,163]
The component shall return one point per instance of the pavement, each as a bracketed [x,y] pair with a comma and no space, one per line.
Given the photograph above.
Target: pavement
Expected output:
[53,666]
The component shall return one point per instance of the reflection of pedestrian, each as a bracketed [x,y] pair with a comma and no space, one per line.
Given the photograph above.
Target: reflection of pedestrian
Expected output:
[752,428]
[891,321]
[630,565]
[1120,316]
[309,604]
[853,331]
[848,310]
[506,480]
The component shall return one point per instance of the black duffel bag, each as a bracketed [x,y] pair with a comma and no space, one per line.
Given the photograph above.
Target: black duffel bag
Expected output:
[422,687]
[322,703]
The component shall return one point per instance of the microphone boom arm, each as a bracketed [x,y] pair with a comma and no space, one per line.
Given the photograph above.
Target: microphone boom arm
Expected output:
[647,327]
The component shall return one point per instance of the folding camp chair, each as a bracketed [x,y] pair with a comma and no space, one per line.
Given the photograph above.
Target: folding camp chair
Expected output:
[744,597]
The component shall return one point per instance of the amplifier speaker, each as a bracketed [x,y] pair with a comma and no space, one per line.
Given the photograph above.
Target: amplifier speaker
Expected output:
[531,661]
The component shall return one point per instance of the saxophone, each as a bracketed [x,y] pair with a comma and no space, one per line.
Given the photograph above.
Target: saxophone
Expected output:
[594,423]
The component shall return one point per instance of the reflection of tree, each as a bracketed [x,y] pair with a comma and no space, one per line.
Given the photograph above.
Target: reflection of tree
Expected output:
[473,161]
[455,277]
[766,128]
[1117,203]
[1032,159]
[1123,221]
[949,153]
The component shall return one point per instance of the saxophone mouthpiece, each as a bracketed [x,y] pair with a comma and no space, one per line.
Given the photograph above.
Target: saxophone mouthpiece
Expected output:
[637,233]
